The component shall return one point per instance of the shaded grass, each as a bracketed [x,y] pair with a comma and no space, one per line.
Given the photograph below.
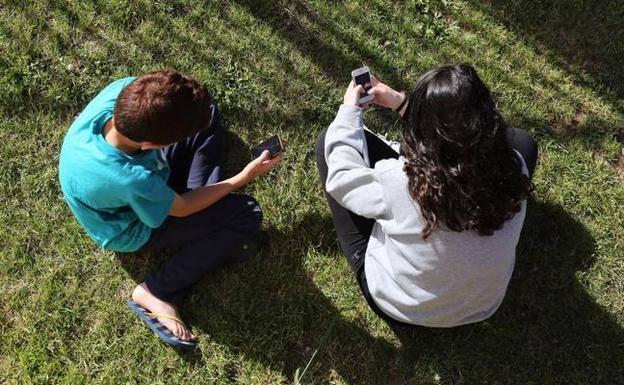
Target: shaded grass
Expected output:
[281,67]
[587,43]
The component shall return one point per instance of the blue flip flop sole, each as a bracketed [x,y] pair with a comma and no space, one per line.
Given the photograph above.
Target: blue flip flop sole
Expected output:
[159,329]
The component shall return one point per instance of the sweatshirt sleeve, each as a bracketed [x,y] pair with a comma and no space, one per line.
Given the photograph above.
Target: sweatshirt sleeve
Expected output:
[350,179]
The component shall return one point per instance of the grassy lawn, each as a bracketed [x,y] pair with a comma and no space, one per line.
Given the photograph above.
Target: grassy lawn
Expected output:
[281,67]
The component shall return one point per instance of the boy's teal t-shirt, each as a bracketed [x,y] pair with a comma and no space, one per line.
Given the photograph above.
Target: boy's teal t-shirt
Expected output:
[117,198]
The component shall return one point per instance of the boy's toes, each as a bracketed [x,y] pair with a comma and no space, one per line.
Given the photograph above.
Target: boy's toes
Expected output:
[177,331]
[188,335]
[182,332]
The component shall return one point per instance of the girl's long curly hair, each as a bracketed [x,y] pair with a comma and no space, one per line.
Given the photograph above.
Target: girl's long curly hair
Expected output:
[461,168]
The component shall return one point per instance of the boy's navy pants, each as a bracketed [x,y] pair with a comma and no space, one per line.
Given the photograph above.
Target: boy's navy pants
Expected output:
[223,233]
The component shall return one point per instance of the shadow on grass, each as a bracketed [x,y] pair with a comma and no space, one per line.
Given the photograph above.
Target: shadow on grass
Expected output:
[548,330]
[585,37]
[271,311]
[296,22]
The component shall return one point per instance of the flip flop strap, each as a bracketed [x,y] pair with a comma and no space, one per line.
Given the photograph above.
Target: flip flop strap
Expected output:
[168,316]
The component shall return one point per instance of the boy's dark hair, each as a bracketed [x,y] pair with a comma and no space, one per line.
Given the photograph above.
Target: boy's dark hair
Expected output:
[162,107]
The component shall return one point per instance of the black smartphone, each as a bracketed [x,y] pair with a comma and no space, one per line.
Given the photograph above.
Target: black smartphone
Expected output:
[273,144]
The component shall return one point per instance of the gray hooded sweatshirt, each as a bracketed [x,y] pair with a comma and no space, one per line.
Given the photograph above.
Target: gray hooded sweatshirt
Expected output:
[452,278]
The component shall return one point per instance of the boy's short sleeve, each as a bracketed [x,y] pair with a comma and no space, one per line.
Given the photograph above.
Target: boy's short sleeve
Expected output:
[151,199]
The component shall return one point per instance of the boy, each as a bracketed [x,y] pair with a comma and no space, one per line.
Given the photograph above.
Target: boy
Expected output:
[140,170]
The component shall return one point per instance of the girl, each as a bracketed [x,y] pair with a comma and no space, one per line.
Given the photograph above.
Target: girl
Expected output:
[430,231]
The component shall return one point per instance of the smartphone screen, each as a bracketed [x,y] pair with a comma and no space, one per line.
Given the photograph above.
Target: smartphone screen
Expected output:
[365,81]
[273,144]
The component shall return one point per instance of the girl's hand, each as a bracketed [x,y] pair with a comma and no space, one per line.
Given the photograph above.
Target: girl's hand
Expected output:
[352,95]
[385,96]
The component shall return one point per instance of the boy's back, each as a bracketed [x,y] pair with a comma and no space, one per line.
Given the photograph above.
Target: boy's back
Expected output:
[116,197]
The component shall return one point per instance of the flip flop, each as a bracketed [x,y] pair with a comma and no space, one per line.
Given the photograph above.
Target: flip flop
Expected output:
[150,319]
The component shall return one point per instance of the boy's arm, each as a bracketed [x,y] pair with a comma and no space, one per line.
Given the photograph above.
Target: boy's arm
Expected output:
[200,198]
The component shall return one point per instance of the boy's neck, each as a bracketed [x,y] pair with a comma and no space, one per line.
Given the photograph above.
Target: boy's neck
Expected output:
[116,139]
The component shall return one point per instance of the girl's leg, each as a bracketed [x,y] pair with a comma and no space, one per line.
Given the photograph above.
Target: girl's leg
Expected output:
[353,230]
[522,142]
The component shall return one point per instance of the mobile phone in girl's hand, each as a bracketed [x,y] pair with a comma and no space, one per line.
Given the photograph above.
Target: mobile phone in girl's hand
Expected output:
[362,76]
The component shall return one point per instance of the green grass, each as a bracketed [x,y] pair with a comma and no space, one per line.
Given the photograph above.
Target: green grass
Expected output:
[281,67]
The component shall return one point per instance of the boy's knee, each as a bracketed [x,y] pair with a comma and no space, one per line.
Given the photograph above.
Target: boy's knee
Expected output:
[215,119]
[251,214]
[256,213]
[248,223]
[248,250]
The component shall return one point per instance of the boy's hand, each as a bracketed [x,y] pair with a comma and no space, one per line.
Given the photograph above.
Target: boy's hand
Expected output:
[385,96]
[260,166]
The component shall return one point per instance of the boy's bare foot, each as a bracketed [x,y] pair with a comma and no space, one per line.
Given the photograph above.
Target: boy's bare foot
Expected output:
[144,298]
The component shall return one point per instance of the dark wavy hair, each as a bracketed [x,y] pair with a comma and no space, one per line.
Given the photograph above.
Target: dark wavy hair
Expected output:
[461,168]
